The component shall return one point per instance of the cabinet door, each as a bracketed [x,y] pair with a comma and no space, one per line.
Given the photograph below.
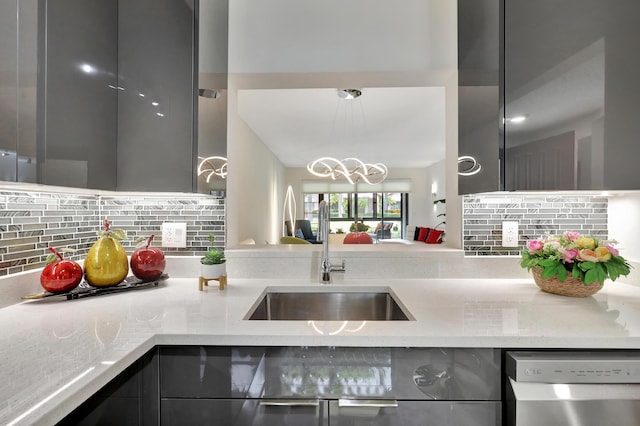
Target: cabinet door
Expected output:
[156,150]
[78,116]
[479,126]
[414,413]
[241,412]
[130,399]
[571,101]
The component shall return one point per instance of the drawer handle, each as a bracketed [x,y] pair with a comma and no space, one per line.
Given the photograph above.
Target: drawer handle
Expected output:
[344,402]
[289,402]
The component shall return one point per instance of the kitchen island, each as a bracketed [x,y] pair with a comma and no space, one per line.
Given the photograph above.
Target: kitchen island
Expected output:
[56,353]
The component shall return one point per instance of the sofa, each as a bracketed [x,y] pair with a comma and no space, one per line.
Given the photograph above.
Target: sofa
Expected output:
[302,229]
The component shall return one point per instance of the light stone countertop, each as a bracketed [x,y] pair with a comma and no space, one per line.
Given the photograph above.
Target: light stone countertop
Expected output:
[56,353]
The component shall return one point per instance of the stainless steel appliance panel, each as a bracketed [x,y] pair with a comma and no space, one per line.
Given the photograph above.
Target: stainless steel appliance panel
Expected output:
[573,388]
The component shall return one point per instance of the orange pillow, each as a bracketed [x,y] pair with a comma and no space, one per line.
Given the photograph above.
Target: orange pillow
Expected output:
[422,235]
[434,236]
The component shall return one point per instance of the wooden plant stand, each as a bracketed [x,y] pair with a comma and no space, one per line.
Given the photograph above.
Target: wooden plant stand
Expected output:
[204,282]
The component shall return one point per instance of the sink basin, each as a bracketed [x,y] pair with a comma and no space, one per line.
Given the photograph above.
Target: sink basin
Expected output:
[328,306]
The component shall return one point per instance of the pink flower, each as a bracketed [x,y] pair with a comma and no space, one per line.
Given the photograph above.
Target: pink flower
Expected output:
[535,246]
[571,235]
[614,251]
[569,255]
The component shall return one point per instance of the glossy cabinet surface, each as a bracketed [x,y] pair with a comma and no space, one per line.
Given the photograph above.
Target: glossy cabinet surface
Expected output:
[99,94]
[417,413]
[156,138]
[129,399]
[479,124]
[547,94]
[570,70]
[18,89]
[240,412]
[78,121]
[312,372]
[330,385]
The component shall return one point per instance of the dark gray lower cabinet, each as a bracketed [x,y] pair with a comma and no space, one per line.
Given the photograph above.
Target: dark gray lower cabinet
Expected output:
[240,412]
[299,386]
[131,399]
[417,413]
[253,412]
[329,386]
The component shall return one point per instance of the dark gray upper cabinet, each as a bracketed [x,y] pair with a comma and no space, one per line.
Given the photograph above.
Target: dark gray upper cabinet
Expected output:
[552,94]
[479,127]
[156,103]
[570,71]
[99,93]
[78,119]
[18,87]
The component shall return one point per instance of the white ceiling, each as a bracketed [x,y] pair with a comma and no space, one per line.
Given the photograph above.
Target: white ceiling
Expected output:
[402,127]
[394,122]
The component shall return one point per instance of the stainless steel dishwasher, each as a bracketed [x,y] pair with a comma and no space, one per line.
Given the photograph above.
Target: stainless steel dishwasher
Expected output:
[572,388]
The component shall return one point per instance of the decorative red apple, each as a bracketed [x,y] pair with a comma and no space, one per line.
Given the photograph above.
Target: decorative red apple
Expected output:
[147,263]
[60,275]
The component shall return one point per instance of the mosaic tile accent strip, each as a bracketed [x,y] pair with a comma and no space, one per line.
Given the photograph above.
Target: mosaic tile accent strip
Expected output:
[30,222]
[536,215]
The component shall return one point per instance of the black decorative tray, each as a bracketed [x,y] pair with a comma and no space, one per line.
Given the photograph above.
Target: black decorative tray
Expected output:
[84,289]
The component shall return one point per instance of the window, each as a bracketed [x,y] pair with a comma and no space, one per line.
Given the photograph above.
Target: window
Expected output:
[384,213]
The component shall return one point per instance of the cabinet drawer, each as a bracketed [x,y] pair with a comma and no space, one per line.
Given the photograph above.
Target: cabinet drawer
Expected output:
[417,413]
[330,372]
[239,412]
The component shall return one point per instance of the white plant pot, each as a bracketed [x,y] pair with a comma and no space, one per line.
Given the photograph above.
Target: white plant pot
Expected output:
[213,271]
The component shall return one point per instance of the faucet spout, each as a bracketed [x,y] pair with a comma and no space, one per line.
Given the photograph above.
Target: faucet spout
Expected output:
[323,235]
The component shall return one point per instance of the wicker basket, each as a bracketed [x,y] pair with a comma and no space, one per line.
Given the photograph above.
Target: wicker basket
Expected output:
[570,287]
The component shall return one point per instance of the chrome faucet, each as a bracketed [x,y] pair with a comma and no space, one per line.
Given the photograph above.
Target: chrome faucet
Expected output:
[323,235]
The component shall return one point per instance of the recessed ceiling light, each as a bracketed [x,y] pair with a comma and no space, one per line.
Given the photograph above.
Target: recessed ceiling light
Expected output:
[88,69]
[517,119]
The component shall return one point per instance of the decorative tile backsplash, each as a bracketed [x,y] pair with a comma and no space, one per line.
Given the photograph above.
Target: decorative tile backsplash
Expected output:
[30,222]
[536,215]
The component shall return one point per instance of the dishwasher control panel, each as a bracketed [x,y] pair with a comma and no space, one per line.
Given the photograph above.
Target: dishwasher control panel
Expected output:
[574,366]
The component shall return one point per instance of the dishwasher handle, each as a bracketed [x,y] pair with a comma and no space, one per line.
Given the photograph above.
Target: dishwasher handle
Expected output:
[535,391]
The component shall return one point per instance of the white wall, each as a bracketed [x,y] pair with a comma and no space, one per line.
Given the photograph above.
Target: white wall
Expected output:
[294,36]
[255,194]
[624,224]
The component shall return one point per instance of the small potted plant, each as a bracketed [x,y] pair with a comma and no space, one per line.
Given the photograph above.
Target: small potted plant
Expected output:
[212,264]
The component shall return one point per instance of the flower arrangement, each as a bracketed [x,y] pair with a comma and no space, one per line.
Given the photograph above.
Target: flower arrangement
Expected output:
[586,258]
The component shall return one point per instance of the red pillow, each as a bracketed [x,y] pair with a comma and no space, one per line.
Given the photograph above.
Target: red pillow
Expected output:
[422,235]
[434,236]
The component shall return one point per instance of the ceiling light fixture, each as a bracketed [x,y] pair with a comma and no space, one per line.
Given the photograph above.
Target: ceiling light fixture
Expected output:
[212,166]
[352,169]
[349,93]
[468,165]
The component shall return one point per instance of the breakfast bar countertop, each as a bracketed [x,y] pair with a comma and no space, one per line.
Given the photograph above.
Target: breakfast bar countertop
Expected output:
[56,353]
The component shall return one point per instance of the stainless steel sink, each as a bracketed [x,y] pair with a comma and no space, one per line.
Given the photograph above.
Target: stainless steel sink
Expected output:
[328,306]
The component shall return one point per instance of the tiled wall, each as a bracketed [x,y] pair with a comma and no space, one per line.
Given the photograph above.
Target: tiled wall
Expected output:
[30,222]
[536,215]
